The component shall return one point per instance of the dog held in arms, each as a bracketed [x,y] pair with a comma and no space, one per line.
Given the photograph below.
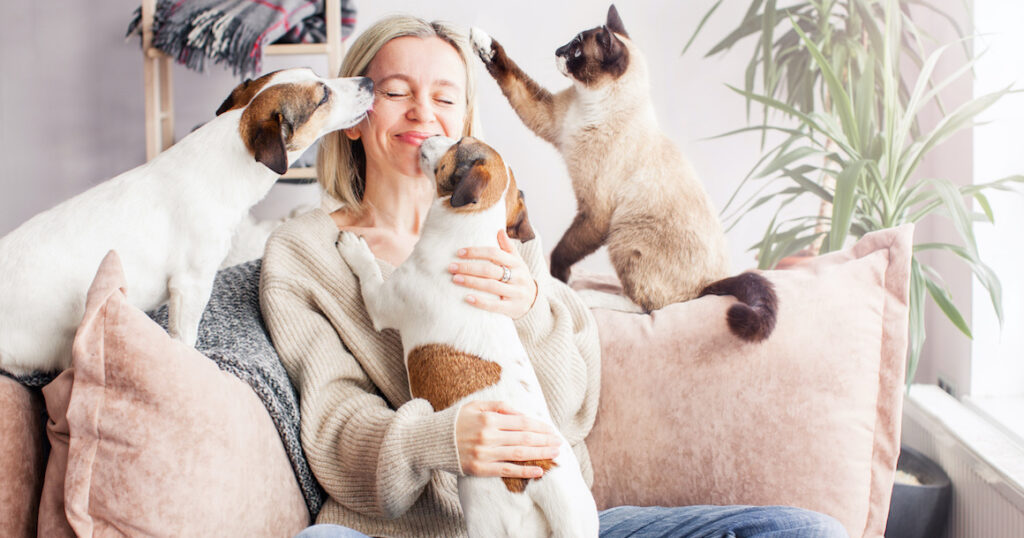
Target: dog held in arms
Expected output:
[455,352]
[171,220]
[634,189]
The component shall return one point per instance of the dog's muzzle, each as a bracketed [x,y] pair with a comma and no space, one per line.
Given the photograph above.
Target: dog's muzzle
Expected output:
[431,151]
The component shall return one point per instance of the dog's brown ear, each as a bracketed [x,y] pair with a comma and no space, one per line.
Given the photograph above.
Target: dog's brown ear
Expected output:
[244,92]
[267,143]
[518,225]
[614,22]
[470,186]
[234,97]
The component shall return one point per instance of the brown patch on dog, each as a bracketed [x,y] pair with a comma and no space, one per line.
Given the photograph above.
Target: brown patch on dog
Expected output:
[443,375]
[518,485]
[279,119]
[471,172]
[243,93]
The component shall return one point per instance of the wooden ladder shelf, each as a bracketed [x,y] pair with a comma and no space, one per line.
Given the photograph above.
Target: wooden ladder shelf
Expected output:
[158,84]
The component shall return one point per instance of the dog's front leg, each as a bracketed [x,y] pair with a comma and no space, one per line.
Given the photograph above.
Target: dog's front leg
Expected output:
[188,296]
[534,104]
[379,303]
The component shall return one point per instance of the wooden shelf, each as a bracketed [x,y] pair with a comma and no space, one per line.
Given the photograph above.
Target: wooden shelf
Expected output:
[299,175]
[295,49]
[158,87]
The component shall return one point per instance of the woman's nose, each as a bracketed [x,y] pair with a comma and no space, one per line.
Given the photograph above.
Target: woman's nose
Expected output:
[420,109]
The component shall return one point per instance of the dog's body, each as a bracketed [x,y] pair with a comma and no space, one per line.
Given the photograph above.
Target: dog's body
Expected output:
[635,190]
[455,352]
[171,220]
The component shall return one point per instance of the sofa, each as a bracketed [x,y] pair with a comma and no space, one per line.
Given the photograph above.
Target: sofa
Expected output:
[145,436]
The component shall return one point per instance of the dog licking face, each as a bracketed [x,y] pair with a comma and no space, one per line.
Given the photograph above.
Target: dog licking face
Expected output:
[474,177]
[286,111]
[212,177]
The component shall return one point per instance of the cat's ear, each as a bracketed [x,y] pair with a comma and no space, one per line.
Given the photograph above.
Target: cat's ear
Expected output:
[613,51]
[614,22]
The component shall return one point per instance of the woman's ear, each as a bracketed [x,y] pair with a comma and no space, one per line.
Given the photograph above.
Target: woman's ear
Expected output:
[352,133]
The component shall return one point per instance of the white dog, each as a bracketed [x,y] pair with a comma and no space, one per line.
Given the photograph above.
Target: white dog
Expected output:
[171,220]
[455,352]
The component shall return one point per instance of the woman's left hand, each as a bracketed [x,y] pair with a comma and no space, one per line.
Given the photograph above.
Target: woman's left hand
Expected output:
[482,268]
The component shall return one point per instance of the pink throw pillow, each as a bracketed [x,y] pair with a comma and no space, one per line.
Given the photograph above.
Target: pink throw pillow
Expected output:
[21,458]
[159,441]
[689,414]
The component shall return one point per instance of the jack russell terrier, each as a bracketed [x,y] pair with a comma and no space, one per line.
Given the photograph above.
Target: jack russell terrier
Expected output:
[456,353]
[171,220]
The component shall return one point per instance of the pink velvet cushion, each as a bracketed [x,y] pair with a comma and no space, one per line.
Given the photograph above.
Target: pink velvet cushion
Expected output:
[809,418]
[159,441]
[21,458]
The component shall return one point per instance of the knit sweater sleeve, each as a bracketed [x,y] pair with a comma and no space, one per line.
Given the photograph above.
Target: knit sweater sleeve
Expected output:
[368,456]
[560,336]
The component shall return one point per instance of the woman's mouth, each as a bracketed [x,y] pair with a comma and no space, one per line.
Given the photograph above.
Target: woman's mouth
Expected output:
[414,138]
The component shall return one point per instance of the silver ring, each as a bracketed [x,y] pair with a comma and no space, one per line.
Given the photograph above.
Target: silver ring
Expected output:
[506,274]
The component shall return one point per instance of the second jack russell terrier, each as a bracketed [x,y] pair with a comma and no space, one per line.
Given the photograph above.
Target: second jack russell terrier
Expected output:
[455,352]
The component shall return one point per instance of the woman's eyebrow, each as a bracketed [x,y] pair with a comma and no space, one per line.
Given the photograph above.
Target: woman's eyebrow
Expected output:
[407,79]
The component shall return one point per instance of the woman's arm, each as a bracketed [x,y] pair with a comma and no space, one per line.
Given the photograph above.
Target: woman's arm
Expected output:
[369,457]
[560,336]
[556,328]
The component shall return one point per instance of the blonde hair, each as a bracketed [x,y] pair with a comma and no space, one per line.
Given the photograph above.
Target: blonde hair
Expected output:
[341,163]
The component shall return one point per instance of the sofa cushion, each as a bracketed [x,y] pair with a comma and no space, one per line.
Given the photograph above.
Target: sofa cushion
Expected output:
[159,440]
[22,457]
[232,335]
[810,417]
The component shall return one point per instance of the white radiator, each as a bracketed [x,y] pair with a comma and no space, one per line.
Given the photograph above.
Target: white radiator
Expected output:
[985,465]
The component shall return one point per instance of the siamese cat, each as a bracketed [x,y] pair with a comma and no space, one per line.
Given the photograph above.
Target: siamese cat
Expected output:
[635,191]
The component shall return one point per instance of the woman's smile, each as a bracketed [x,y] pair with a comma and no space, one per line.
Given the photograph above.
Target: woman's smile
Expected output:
[414,138]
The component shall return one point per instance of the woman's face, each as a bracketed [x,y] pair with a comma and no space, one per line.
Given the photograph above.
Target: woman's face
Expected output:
[420,87]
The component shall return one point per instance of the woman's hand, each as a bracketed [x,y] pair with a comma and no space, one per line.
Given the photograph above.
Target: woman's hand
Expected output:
[491,435]
[483,269]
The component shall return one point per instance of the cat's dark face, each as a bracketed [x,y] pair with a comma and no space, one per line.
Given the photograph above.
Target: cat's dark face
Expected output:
[596,55]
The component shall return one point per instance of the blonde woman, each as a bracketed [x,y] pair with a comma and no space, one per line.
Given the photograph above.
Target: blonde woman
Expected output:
[388,462]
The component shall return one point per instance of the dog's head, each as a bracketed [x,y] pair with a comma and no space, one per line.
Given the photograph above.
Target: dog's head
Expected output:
[284,112]
[596,56]
[475,178]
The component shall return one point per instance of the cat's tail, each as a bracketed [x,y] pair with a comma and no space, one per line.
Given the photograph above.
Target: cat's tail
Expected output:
[753,317]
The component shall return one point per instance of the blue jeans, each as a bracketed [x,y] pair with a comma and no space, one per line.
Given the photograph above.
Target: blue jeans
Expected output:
[684,521]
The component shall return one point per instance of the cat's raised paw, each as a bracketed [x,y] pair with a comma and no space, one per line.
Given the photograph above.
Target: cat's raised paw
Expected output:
[482,43]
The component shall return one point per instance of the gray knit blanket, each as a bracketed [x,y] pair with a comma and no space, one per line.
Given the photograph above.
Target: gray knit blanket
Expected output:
[234,32]
[232,334]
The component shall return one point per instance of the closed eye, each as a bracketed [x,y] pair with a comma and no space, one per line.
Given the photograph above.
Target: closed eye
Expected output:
[326,96]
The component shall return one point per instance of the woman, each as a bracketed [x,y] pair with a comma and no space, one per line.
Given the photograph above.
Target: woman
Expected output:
[387,462]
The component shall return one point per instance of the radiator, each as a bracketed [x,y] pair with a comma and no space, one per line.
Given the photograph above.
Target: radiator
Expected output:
[985,465]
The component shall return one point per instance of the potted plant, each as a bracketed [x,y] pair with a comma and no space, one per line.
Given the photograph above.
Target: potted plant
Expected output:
[833,94]
[833,89]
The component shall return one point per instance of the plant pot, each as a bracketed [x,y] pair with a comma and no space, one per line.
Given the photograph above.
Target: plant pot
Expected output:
[919,511]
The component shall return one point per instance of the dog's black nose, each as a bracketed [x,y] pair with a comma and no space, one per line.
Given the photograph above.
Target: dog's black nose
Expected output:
[366,84]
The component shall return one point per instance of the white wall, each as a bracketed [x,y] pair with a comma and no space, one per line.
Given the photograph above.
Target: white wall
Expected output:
[71,111]
[72,104]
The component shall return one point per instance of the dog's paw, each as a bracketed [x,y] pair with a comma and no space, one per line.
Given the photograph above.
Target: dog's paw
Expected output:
[354,250]
[482,44]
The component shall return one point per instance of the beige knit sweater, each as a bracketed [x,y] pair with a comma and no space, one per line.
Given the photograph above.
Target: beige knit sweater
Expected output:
[389,462]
